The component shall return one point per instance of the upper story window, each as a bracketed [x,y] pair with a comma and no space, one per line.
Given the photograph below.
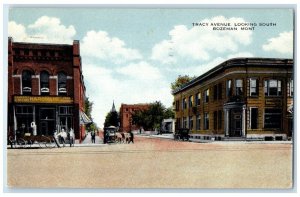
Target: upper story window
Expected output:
[177,105]
[44,81]
[291,88]
[253,87]
[26,82]
[198,98]
[62,83]
[273,87]
[218,91]
[206,96]
[239,87]
[229,88]
[191,101]
[184,104]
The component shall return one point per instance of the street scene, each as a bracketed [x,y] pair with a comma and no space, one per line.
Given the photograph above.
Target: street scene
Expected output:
[195,99]
[154,163]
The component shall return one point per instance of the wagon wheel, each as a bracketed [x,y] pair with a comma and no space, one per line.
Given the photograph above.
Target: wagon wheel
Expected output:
[21,143]
[44,142]
[51,143]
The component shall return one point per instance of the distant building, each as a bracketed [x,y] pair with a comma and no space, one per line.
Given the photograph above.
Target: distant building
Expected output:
[126,111]
[240,98]
[45,88]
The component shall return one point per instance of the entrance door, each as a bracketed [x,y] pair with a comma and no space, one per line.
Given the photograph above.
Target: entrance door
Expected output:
[47,121]
[236,123]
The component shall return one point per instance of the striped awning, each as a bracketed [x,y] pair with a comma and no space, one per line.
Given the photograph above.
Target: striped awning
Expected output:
[84,119]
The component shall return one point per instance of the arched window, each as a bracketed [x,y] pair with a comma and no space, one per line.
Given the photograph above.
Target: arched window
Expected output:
[26,82]
[44,83]
[62,83]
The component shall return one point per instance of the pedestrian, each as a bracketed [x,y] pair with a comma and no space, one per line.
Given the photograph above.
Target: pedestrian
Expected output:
[140,130]
[131,137]
[93,136]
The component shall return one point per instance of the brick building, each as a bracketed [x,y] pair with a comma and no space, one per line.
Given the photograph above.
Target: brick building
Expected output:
[45,88]
[240,98]
[126,111]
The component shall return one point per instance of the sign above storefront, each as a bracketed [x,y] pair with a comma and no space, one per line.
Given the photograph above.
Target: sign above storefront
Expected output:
[43,99]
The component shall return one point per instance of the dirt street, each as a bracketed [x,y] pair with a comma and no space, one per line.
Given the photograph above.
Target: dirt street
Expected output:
[153,163]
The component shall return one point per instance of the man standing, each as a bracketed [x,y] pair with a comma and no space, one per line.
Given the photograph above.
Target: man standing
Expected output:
[93,136]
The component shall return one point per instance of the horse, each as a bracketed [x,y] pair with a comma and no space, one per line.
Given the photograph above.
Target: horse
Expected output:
[120,137]
[127,137]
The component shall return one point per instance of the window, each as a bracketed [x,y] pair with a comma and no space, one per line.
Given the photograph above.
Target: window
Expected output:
[220,119]
[291,88]
[62,83]
[198,122]
[238,87]
[253,87]
[198,98]
[24,110]
[65,110]
[273,87]
[254,118]
[273,118]
[218,91]
[26,82]
[177,105]
[178,125]
[191,101]
[215,120]
[229,88]
[191,125]
[206,121]
[44,81]
[184,122]
[184,104]
[206,96]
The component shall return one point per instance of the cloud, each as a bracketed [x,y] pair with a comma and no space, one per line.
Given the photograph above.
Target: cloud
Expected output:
[141,70]
[198,43]
[45,29]
[129,85]
[282,44]
[101,46]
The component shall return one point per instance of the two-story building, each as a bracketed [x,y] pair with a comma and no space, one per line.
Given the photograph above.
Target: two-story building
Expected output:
[240,98]
[45,88]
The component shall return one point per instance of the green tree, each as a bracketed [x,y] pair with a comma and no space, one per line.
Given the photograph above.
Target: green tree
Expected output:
[181,81]
[112,119]
[88,108]
[151,118]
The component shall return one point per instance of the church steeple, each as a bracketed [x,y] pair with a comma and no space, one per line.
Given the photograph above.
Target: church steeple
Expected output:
[113,109]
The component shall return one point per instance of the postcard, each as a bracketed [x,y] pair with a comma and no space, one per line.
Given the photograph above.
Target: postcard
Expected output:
[150,98]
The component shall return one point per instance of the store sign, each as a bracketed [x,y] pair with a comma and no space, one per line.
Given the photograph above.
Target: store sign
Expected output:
[43,99]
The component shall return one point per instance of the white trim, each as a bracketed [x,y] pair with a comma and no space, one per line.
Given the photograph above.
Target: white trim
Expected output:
[53,77]
[69,77]
[35,76]
[20,76]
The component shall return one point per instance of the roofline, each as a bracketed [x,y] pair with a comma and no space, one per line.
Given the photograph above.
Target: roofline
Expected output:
[230,63]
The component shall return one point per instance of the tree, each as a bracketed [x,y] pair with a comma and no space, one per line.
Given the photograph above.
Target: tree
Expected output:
[112,119]
[180,81]
[88,107]
[151,118]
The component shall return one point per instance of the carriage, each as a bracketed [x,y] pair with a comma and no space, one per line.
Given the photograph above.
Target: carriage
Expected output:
[31,141]
[110,134]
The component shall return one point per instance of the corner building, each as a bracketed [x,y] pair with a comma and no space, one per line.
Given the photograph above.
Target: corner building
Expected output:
[45,88]
[242,98]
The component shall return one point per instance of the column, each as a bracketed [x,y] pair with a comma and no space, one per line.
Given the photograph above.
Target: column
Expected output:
[226,121]
[244,122]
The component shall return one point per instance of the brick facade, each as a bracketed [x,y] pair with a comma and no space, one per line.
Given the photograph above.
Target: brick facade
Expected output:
[126,111]
[51,75]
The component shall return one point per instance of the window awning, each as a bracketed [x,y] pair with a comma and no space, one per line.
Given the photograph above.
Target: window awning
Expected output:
[84,119]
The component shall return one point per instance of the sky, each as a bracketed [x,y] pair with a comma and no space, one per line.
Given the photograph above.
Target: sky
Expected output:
[133,55]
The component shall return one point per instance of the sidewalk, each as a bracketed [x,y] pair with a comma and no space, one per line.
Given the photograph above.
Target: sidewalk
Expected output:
[87,142]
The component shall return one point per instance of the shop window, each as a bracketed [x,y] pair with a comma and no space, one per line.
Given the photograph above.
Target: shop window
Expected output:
[273,87]
[272,118]
[184,122]
[191,122]
[198,122]
[26,82]
[229,88]
[44,83]
[206,96]
[239,87]
[206,121]
[253,87]
[215,120]
[65,110]
[47,114]
[220,119]
[254,118]
[62,84]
